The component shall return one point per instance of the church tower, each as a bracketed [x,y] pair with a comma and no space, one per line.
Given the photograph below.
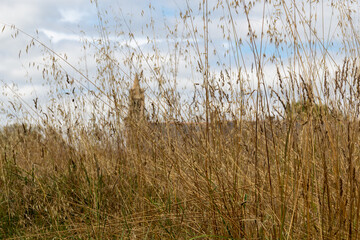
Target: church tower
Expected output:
[135,120]
[137,102]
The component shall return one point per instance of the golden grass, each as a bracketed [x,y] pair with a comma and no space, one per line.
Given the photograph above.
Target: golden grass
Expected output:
[233,164]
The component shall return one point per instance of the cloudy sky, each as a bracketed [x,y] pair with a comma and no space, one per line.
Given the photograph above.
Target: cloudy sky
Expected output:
[146,28]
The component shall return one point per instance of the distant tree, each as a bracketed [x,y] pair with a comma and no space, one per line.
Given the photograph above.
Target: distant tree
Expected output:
[303,110]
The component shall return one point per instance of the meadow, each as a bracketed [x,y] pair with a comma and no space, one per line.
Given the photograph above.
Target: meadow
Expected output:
[259,159]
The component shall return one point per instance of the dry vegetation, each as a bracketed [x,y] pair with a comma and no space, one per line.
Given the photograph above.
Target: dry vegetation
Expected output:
[238,159]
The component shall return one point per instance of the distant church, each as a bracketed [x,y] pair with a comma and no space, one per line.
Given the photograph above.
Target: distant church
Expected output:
[153,138]
[137,102]
[142,133]
[135,120]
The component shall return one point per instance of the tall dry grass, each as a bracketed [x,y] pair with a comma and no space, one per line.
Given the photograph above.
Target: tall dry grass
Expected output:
[236,160]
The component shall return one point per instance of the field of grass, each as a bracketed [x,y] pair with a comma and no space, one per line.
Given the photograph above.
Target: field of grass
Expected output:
[239,159]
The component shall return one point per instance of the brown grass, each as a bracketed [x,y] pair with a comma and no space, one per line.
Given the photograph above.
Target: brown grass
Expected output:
[236,161]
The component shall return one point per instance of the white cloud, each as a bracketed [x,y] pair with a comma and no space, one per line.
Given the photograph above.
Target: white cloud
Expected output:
[71,15]
[58,36]
[19,13]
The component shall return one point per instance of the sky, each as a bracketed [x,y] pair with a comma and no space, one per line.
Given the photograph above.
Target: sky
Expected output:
[144,28]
